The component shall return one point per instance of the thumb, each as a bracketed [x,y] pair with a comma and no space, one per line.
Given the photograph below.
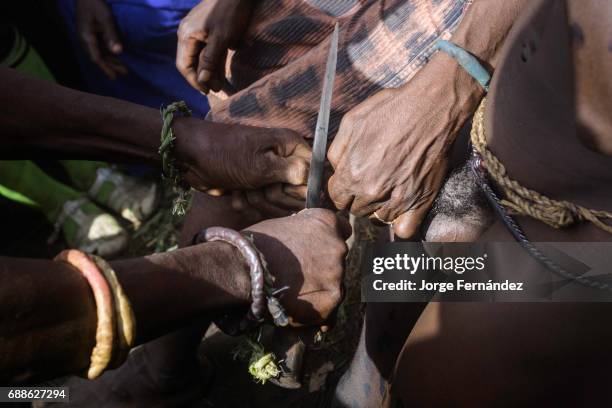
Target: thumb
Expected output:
[289,170]
[209,59]
[407,225]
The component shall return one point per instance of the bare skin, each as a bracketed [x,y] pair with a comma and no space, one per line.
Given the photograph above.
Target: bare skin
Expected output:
[200,286]
[48,118]
[508,349]
[435,132]
[416,133]
[99,37]
[390,154]
[205,36]
[592,97]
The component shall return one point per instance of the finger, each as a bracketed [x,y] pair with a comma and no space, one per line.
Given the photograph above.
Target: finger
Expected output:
[302,150]
[407,225]
[209,59]
[110,35]
[364,205]
[338,194]
[397,204]
[340,143]
[90,42]
[116,65]
[297,192]
[286,142]
[239,201]
[111,68]
[257,200]
[218,79]
[290,170]
[276,195]
[215,192]
[344,227]
[240,204]
[108,71]
[187,53]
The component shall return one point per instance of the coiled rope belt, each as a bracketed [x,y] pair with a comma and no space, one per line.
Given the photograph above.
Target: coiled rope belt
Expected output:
[524,201]
[519,199]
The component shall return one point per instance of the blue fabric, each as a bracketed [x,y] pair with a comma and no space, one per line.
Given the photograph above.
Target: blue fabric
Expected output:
[148,34]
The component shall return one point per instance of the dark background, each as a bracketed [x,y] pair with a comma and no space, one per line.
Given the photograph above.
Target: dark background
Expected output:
[25,230]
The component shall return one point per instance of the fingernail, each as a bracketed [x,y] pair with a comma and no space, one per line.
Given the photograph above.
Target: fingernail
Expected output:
[116,48]
[203,76]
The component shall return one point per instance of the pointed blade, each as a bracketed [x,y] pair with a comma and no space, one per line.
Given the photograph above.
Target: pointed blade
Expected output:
[319,147]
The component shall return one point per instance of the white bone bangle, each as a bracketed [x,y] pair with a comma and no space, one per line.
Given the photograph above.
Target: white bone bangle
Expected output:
[105,330]
[125,320]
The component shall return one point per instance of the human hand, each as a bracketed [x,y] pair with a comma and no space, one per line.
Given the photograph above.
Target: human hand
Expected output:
[218,155]
[390,154]
[305,252]
[98,35]
[273,201]
[204,37]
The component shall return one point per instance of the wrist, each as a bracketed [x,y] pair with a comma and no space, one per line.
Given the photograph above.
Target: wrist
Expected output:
[173,288]
[218,267]
[194,147]
[184,149]
[486,40]
[127,131]
[452,96]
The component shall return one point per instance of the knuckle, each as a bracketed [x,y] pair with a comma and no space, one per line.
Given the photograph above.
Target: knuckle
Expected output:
[335,189]
[179,65]
[183,32]
[299,171]
[347,122]
[371,190]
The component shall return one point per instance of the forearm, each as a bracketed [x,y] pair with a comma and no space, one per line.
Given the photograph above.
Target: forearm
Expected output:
[485,27]
[482,33]
[39,119]
[169,290]
[48,313]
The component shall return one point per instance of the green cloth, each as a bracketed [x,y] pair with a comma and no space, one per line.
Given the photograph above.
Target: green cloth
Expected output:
[24,181]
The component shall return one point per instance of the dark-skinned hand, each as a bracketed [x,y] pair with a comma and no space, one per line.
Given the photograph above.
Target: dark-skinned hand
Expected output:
[390,153]
[204,37]
[305,252]
[218,155]
[99,37]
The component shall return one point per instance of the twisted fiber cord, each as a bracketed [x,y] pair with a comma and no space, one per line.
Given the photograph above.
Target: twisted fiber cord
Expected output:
[524,201]
[169,168]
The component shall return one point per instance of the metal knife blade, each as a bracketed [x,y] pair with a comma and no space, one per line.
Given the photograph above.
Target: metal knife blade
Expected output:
[319,147]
